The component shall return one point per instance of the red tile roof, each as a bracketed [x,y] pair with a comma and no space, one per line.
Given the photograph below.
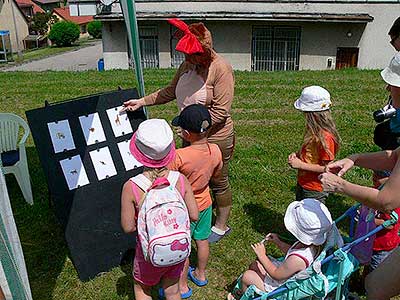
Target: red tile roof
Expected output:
[65,15]
[29,3]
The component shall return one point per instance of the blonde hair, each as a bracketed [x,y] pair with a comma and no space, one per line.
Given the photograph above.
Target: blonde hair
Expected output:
[154,173]
[316,124]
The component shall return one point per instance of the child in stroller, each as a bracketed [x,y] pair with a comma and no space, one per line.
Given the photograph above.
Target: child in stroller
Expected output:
[310,222]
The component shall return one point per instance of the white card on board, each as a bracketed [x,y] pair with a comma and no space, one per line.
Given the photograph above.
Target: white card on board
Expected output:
[61,136]
[129,161]
[119,121]
[74,172]
[103,163]
[92,129]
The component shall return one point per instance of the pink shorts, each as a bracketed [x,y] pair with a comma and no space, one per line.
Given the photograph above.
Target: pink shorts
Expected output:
[147,274]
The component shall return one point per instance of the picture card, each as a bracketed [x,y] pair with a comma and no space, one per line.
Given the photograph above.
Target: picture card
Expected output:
[119,121]
[130,162]
[103,163]
[92,129]
[61,136]
[74,172]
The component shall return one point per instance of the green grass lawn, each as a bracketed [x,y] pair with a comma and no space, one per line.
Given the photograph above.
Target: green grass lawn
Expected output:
[268,128]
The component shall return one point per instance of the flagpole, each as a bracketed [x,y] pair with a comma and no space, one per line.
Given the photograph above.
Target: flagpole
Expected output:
[129,11]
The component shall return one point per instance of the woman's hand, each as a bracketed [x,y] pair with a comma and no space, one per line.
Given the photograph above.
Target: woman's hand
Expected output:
[133,104]
[331,183]
[340,167]
[259,249]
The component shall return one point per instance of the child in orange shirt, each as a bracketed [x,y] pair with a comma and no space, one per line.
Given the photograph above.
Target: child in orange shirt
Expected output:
[320,144]
[199,162]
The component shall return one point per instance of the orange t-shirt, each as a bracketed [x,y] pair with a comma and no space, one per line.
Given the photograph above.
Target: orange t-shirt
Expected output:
[314,153]
[198,163]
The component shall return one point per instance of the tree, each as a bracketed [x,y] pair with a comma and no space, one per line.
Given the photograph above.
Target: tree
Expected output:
[41,22]
[64,33]
[94,29]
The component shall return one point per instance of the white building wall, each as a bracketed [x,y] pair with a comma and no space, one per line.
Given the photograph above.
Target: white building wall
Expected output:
[6,23]
[82,9]
[115,46]
[375,50]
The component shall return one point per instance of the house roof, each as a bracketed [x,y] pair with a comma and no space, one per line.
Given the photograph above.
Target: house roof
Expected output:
[262,16]
[30,3]
[47,1]
[63,13]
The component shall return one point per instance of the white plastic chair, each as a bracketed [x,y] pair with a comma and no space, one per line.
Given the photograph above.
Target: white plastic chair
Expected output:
[13,153]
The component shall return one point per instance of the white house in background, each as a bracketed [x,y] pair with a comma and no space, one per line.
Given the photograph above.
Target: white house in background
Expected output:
[18,29]
[257,35]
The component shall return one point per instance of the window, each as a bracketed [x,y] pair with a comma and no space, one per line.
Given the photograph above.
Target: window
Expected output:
[176,57]
[148,39]
[275,48]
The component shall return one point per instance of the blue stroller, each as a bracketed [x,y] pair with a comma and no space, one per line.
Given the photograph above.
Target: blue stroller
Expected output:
[331,269]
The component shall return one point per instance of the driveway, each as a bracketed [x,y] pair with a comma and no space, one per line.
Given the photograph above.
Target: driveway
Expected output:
[78,60]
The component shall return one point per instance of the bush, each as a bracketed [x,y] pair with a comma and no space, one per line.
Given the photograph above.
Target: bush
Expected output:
[94,29]
[64,33]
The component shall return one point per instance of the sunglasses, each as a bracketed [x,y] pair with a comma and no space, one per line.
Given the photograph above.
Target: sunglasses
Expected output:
[393,40]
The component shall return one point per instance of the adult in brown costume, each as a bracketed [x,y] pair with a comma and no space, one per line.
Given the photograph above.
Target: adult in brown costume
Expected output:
[203,78]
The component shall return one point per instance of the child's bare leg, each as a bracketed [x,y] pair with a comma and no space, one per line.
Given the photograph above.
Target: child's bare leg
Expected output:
[257,267]
[251,277]
[183,281]
[171,288]
[142,292]
[203,252]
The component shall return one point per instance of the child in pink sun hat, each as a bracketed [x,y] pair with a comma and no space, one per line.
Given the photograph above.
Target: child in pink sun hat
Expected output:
[153,146]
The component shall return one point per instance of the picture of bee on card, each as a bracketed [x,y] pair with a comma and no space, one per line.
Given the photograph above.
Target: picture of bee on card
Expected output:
[74,172]
[119,121]
[61,136]
[103,163]
[92,129]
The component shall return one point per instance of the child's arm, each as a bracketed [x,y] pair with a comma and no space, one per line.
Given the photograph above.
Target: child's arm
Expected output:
[288,268]
[297,163]
[190,201]
[128,208]
[379,221]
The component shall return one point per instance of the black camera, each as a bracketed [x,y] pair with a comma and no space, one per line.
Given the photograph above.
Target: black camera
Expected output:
[385,113]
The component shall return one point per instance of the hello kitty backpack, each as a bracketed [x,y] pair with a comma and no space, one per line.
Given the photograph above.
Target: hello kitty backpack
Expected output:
[163,221]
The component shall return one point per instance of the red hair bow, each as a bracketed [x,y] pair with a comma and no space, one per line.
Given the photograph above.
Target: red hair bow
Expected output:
[189,43]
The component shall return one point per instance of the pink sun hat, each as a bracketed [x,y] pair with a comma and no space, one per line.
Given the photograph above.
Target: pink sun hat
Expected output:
[153,143]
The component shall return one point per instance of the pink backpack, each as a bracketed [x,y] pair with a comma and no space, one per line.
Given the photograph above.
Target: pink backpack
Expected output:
[163,221]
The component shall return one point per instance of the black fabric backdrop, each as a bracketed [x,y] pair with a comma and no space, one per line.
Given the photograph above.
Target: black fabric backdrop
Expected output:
[90,215]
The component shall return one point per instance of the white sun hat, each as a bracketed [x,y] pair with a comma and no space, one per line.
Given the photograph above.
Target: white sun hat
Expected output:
[309,221]
[391,74]
[313,98]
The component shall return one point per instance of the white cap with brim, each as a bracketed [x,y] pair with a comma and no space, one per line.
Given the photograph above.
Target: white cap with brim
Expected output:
[309,221]
[313,98]
[391,74]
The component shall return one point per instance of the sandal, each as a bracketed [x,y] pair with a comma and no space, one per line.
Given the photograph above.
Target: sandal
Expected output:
[217,234]
[195,280]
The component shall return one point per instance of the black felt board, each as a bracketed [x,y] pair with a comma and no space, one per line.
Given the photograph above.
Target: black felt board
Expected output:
[90,215]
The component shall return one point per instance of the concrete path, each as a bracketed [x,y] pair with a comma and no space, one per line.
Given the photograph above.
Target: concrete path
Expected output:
[77,60]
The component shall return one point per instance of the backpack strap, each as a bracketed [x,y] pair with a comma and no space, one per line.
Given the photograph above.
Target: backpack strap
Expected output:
[173,178]
[142,182]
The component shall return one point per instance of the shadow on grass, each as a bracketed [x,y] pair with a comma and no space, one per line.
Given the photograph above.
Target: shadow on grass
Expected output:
[41,236]
[265,220]
[125,283]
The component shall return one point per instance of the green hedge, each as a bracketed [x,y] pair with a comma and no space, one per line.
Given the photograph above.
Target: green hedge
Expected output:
[64,33]
[94,29]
